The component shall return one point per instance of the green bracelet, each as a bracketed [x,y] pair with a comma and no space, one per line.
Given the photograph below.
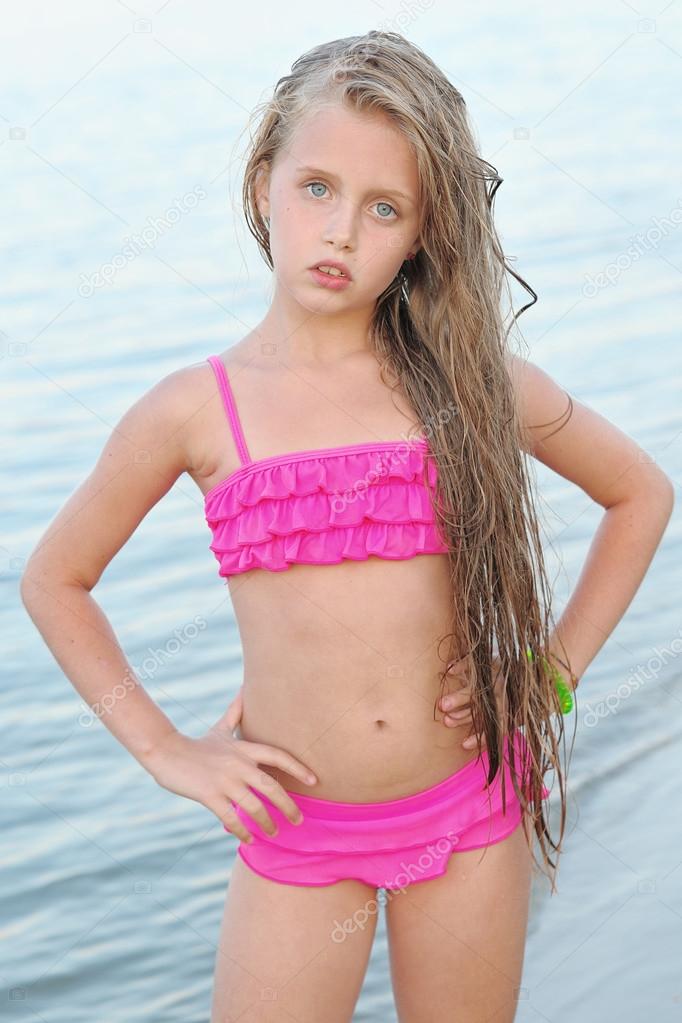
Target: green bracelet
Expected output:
[565,696]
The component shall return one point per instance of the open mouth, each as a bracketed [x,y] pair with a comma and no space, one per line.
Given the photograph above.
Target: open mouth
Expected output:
[330,277]
[331,270]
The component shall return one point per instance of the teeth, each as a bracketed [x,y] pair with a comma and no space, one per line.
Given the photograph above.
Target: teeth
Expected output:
[331,270]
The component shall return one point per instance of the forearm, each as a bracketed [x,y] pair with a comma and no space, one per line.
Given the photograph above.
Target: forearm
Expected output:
[82,641]
[618,558]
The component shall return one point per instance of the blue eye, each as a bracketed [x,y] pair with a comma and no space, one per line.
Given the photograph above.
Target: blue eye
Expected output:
[389,207]
[386,204]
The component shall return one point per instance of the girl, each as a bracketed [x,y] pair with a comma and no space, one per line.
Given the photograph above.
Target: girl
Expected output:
[362,456]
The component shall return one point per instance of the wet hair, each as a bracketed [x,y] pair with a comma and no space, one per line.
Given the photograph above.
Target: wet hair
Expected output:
[439,335]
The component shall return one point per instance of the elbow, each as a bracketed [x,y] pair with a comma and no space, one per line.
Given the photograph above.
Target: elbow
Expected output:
[670,496]
[660,498]
[651,499]
[29,585]
[43,575]
[667,492]
[38,579]
[655,486]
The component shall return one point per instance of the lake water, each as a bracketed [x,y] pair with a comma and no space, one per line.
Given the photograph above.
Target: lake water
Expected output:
[112,888]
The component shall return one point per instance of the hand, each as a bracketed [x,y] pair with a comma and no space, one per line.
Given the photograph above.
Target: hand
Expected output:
[459,708]
[233,714]
[217,768]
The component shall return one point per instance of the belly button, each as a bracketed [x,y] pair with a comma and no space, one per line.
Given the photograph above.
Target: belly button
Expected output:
[380,723]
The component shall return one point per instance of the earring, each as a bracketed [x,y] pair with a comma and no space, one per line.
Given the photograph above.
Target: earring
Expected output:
[410,255]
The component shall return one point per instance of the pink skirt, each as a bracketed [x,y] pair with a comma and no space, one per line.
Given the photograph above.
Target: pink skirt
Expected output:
[389,844]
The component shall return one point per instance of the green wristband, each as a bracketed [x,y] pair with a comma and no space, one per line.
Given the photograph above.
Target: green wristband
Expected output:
[565,695]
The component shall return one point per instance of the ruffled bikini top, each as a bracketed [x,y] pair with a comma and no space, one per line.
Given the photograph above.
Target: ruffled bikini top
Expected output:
[322,506]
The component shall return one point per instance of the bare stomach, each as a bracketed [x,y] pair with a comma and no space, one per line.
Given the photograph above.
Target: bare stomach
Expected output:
[341,670]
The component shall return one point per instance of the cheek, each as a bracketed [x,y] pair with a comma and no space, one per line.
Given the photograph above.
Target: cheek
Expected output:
[388,249]
[385,262]
[288,240]
[297,235]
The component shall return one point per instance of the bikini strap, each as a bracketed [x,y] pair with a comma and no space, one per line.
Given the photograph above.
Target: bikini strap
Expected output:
[230,406]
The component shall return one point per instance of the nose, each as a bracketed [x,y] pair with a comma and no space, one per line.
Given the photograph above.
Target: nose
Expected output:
[340,227]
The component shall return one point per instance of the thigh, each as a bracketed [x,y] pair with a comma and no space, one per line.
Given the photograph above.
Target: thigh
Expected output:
[456,942]
[292,952]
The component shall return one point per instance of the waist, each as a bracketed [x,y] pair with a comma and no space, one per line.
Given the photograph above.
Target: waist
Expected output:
[366,739]
[341,669]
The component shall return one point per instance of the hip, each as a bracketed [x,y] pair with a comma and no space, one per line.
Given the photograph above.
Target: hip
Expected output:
[391,843]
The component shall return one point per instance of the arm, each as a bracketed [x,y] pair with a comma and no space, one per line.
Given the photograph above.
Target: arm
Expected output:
[624,479]
[142,458]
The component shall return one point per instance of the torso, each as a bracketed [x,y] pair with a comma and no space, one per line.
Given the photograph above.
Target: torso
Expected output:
[341,662]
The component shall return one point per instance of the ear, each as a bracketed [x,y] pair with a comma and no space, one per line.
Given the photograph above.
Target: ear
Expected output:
[262,190]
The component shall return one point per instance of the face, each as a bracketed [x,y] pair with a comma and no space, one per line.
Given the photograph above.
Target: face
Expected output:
[345,189]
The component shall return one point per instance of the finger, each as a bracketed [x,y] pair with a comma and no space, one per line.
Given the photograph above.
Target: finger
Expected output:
[460,718]
[277,757]
[278,796]
[230,821]
[458,667]
[456,700]
[261,753]
[249,803]
[232,716]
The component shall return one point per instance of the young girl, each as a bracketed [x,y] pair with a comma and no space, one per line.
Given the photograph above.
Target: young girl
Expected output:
[363,459]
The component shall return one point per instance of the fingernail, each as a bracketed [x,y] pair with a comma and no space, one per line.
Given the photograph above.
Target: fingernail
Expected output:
[446,702]
[311,779]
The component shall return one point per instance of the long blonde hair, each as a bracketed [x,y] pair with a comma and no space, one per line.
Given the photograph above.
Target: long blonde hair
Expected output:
[439,335]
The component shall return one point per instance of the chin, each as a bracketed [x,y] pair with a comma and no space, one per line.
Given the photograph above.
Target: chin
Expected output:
[312,298]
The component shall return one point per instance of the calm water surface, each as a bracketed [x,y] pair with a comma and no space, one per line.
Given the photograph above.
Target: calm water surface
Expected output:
[112,888]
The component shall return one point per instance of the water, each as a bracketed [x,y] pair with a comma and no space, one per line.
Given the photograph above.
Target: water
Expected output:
[113,888]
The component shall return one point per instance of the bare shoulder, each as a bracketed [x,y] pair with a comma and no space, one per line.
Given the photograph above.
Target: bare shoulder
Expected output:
[150,446]
[576,441]
[168,415]
[541,402]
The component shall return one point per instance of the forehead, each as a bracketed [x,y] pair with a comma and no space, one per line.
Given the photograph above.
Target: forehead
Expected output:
[352,144]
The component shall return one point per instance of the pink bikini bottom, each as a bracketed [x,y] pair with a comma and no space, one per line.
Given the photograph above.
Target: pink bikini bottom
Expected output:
[390,844]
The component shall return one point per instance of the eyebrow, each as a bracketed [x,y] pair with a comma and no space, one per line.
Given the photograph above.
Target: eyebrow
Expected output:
[328,174]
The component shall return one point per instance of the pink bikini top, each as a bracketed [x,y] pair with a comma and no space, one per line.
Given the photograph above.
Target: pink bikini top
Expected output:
[322,506]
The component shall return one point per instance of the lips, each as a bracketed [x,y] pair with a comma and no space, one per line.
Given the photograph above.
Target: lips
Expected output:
[335,265]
